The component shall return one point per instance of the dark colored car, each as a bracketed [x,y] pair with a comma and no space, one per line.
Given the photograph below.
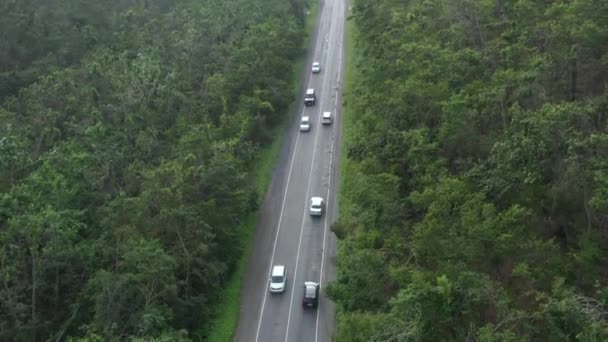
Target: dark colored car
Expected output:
[310,98]
[311,295]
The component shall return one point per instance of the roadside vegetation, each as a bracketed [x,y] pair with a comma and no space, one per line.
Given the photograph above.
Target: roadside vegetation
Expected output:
[224,323]
[129,133]
[474,195]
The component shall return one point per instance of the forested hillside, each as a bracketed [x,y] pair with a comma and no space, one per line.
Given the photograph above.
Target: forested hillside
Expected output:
[128,132]
[475,187]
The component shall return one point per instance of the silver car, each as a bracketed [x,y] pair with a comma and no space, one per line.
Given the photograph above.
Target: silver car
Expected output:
[305,124]
[316,67]
[326,118]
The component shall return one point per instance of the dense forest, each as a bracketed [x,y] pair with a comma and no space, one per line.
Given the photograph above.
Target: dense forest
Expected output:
[128,132]
[474,199]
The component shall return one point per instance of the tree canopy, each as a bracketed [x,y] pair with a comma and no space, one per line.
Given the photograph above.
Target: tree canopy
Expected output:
[128,131]
[473,200]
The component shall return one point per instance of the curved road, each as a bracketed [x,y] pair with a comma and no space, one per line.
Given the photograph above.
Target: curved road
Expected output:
[286,234]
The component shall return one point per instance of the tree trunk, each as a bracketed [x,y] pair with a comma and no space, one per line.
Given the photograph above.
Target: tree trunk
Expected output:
[56,289]
[587,209]
[33,255]
[573,78]
[187,255]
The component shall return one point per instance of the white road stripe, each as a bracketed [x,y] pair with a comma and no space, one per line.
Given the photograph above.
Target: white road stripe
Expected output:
[319,128]
[276,238]
[331,159]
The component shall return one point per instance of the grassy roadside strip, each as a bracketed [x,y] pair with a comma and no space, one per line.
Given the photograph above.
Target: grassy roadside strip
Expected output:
[348,122]
[224,324]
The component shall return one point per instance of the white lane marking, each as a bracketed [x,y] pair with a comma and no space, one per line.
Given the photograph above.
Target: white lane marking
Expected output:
[276,238]
[319,128]
[331,159]
[293,283]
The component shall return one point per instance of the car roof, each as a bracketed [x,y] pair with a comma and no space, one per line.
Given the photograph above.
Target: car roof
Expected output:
[310,289]
[316,200]
[278,270]
[310,91]
[326,113]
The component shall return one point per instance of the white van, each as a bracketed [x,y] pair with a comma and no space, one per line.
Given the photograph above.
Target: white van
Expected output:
[278,279]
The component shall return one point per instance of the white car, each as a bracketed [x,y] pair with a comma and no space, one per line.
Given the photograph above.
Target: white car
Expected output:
[305,124]
[316,206]
[316,67]
[326,118]
[278,279]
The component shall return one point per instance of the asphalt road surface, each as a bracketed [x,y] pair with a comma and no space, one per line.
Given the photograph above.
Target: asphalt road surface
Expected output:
[286,234]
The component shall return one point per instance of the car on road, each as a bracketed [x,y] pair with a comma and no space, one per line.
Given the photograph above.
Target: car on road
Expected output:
[310,97]
[326,118]
[316,67]
[311,295]
[316,206]
[278,279]
[305,124]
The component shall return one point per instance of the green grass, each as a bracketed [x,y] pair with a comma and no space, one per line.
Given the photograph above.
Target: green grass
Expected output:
[224,324]
[348,119]
[226,320]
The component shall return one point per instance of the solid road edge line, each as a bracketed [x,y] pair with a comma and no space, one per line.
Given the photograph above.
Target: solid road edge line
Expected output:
[329,179]
[319,127]
[276,238]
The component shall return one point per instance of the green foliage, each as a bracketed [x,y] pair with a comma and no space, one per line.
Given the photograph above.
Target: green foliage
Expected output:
[128,136]
[131,299]
[362,283]
[473,199]
[359,327]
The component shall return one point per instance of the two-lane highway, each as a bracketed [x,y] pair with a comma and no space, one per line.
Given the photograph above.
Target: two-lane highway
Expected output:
[286,234]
